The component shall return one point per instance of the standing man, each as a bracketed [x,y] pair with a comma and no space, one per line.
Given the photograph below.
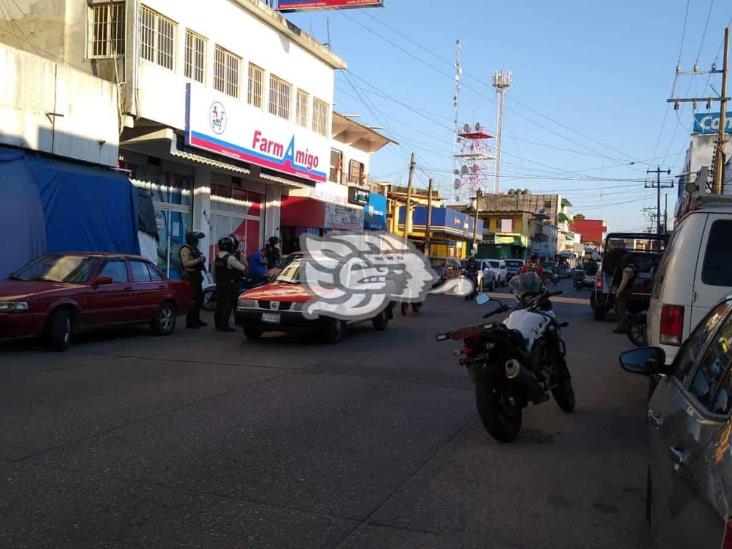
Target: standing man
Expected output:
[228,271]
[194,263]
[258,265]
[621,295]
[533,266]
[273,253]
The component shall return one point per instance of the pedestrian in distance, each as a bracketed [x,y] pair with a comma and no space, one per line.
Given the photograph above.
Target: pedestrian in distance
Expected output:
[627,278]
[228,271]
[194,263]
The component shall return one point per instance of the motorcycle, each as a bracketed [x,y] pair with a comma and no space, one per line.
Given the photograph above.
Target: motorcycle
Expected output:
[517,361]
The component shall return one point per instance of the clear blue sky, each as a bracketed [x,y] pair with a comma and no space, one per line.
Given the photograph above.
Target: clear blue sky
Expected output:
[603,69]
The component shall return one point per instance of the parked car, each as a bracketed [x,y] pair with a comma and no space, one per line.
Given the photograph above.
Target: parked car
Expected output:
[513,267]
[57,295]
[278,307]
[695,272]
[486,276]
[500,271]
[646,250]
[446,268]
[689,474]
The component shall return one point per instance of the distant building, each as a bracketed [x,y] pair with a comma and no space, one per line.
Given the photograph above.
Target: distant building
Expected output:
[591,231]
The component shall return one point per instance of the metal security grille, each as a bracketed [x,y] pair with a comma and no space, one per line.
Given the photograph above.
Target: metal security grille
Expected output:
[256,82]
[320,117]
[279,97]
[303,103]
[108,30]
[195,57]
[355,172]
[157,38]
[226,72]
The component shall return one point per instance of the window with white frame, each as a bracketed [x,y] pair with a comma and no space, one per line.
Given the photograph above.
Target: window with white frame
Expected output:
[107,29]
[226,72]
[303,106]
[280,92]
[195,57]
[256,83]
[157,38]
[320,116]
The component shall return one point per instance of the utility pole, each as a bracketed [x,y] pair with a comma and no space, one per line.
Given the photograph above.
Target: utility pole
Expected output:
[408,216]
[665,215]
[658,171]
[720,156]
[478,195]
[428,227]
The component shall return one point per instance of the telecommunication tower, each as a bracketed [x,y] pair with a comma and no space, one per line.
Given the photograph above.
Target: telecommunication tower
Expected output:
[456,106]
[472,161]
[501,82]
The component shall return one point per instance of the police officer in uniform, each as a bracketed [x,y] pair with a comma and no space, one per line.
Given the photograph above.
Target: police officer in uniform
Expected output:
[228,271]
[194,263]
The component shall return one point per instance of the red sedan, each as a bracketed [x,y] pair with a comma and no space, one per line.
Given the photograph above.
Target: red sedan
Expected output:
[57,295]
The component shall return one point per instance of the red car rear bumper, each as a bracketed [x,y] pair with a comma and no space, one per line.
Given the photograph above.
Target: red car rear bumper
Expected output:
[21,324]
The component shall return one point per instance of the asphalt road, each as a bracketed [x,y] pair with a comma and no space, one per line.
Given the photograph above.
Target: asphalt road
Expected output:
[202,439]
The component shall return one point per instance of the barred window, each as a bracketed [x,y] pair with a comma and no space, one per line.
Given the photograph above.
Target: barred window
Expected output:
[279,97]
[195,59]
[256,82]
[336,166]
[226,72]
[320,117]
[355,172]
[303,105]
[108,29]
[157,38]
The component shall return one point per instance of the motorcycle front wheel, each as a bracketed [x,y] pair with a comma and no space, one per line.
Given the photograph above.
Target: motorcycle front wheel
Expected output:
[501,419]
[564,396]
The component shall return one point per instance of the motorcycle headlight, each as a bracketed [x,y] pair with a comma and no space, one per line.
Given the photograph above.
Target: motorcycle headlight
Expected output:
[13,306]
[247,304]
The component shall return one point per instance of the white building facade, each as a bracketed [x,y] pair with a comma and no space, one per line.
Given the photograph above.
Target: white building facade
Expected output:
[221,108]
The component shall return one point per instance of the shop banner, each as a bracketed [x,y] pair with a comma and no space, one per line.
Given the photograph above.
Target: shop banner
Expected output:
[230,127]
[708,122]
[375,213]
[343,218]
[309,5]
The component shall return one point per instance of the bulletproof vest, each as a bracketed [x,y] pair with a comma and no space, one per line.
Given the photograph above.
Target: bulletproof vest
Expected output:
[222,272]
[195,253]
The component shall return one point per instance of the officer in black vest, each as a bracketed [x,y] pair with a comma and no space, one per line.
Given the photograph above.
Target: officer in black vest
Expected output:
[228,271]
[194,263]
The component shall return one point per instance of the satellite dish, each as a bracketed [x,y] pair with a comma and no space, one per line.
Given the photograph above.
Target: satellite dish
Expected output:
[456,172]
[464,169]
[477,126]
[466,128]
[456,184]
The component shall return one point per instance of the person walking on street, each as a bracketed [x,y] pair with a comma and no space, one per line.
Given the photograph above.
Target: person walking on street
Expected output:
[228,271]
[533,266]
[194,263]
[621,295]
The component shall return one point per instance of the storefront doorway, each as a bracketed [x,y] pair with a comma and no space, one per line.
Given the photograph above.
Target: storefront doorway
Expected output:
[235,210]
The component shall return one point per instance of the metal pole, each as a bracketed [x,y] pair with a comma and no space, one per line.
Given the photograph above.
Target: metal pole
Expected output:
[665,215]
[478,194]
[408,213]
[720,156]
[428,228]
[658,200]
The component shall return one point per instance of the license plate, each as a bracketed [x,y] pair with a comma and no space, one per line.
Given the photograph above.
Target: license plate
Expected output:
[271,318]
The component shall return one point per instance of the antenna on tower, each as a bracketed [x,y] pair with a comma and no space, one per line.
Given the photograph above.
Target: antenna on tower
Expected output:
[501,82]
[456,107]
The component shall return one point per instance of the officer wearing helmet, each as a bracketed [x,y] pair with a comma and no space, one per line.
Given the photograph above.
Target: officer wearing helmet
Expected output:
[194,263]
[228,271]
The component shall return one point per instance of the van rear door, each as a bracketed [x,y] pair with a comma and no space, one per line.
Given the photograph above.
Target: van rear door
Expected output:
[713,279]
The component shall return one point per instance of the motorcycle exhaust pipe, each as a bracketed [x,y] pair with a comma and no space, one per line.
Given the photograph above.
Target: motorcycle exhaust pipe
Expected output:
[516,373]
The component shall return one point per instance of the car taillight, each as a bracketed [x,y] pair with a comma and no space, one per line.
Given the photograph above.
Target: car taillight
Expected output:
[727,538]
[599,282]
[672,324]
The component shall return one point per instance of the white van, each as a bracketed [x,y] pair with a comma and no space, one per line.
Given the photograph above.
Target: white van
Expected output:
[694,274]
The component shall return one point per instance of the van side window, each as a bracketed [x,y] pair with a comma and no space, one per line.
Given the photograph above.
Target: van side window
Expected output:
[717,270]
[699,339]
[710,383]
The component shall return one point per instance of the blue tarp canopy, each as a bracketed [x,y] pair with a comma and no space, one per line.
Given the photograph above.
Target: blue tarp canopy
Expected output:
[49,206]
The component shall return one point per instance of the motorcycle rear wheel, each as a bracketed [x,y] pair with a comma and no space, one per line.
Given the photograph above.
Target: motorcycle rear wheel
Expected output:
[501,422]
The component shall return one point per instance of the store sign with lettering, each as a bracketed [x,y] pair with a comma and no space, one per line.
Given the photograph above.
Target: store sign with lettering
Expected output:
[359,197]
[309,5]
[230,127]
[708,122]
